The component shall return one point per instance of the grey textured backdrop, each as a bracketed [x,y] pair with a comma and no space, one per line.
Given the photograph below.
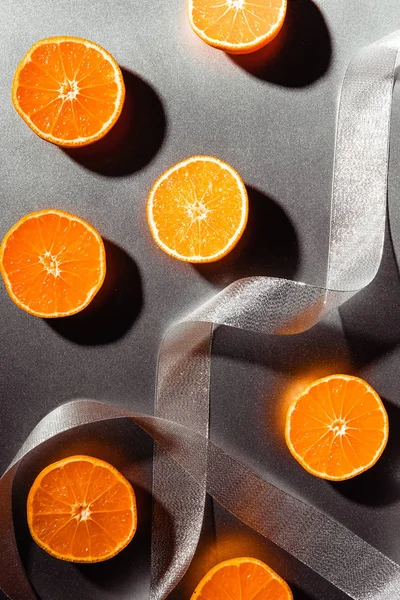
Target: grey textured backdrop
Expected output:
[272,116]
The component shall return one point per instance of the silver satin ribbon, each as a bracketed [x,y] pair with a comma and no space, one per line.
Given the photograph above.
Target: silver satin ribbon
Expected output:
[186,464]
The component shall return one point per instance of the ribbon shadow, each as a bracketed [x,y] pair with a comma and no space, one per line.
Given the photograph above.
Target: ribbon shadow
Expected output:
[269,246]
[299,55]
[113,310]
[370,333]
[134,140]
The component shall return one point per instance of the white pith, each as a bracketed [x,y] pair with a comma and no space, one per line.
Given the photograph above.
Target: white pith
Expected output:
[69,89]
[50,263]
[81,512]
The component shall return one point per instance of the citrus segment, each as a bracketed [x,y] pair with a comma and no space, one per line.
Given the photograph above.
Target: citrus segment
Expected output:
[197,210]
[242,579]
[52,263]
[237,26]
[70,91]
[81,509]
[337,427]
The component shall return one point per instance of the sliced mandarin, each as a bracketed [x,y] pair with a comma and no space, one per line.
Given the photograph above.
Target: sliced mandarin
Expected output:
[69,90]
[242,579]
[197,210]
[53,263]
[337,427]
[237,26]
[81,509]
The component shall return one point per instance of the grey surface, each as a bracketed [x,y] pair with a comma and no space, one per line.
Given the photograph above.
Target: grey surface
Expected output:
[275,123]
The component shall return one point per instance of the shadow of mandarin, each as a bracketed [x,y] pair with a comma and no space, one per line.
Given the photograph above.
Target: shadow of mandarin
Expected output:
[269,246]
[379,486]
[113,310]
[299,55]
[136,137]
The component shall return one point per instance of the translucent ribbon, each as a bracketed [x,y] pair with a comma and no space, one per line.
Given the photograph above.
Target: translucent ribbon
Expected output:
[186,464]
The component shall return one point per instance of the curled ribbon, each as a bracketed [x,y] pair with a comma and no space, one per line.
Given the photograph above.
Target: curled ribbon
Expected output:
[187,464]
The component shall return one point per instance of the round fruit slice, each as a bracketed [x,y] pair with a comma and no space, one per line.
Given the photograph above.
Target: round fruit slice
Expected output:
[81,509]
[197,210]
[337,427]
[70,91]
[242,579]
[52,263]
[237,26]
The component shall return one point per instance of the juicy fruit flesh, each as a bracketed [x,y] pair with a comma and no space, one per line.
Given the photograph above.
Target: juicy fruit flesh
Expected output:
[82,510]
[198,209]
[242,579]
[53,263]
[338,427]
[237,21]
[68,90]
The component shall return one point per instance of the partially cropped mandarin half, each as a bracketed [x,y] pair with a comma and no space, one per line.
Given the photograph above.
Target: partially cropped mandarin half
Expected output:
[70,91]
[237,26]
[81,509]
[337,427]
[242,579]
[197,210]
[53,263]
